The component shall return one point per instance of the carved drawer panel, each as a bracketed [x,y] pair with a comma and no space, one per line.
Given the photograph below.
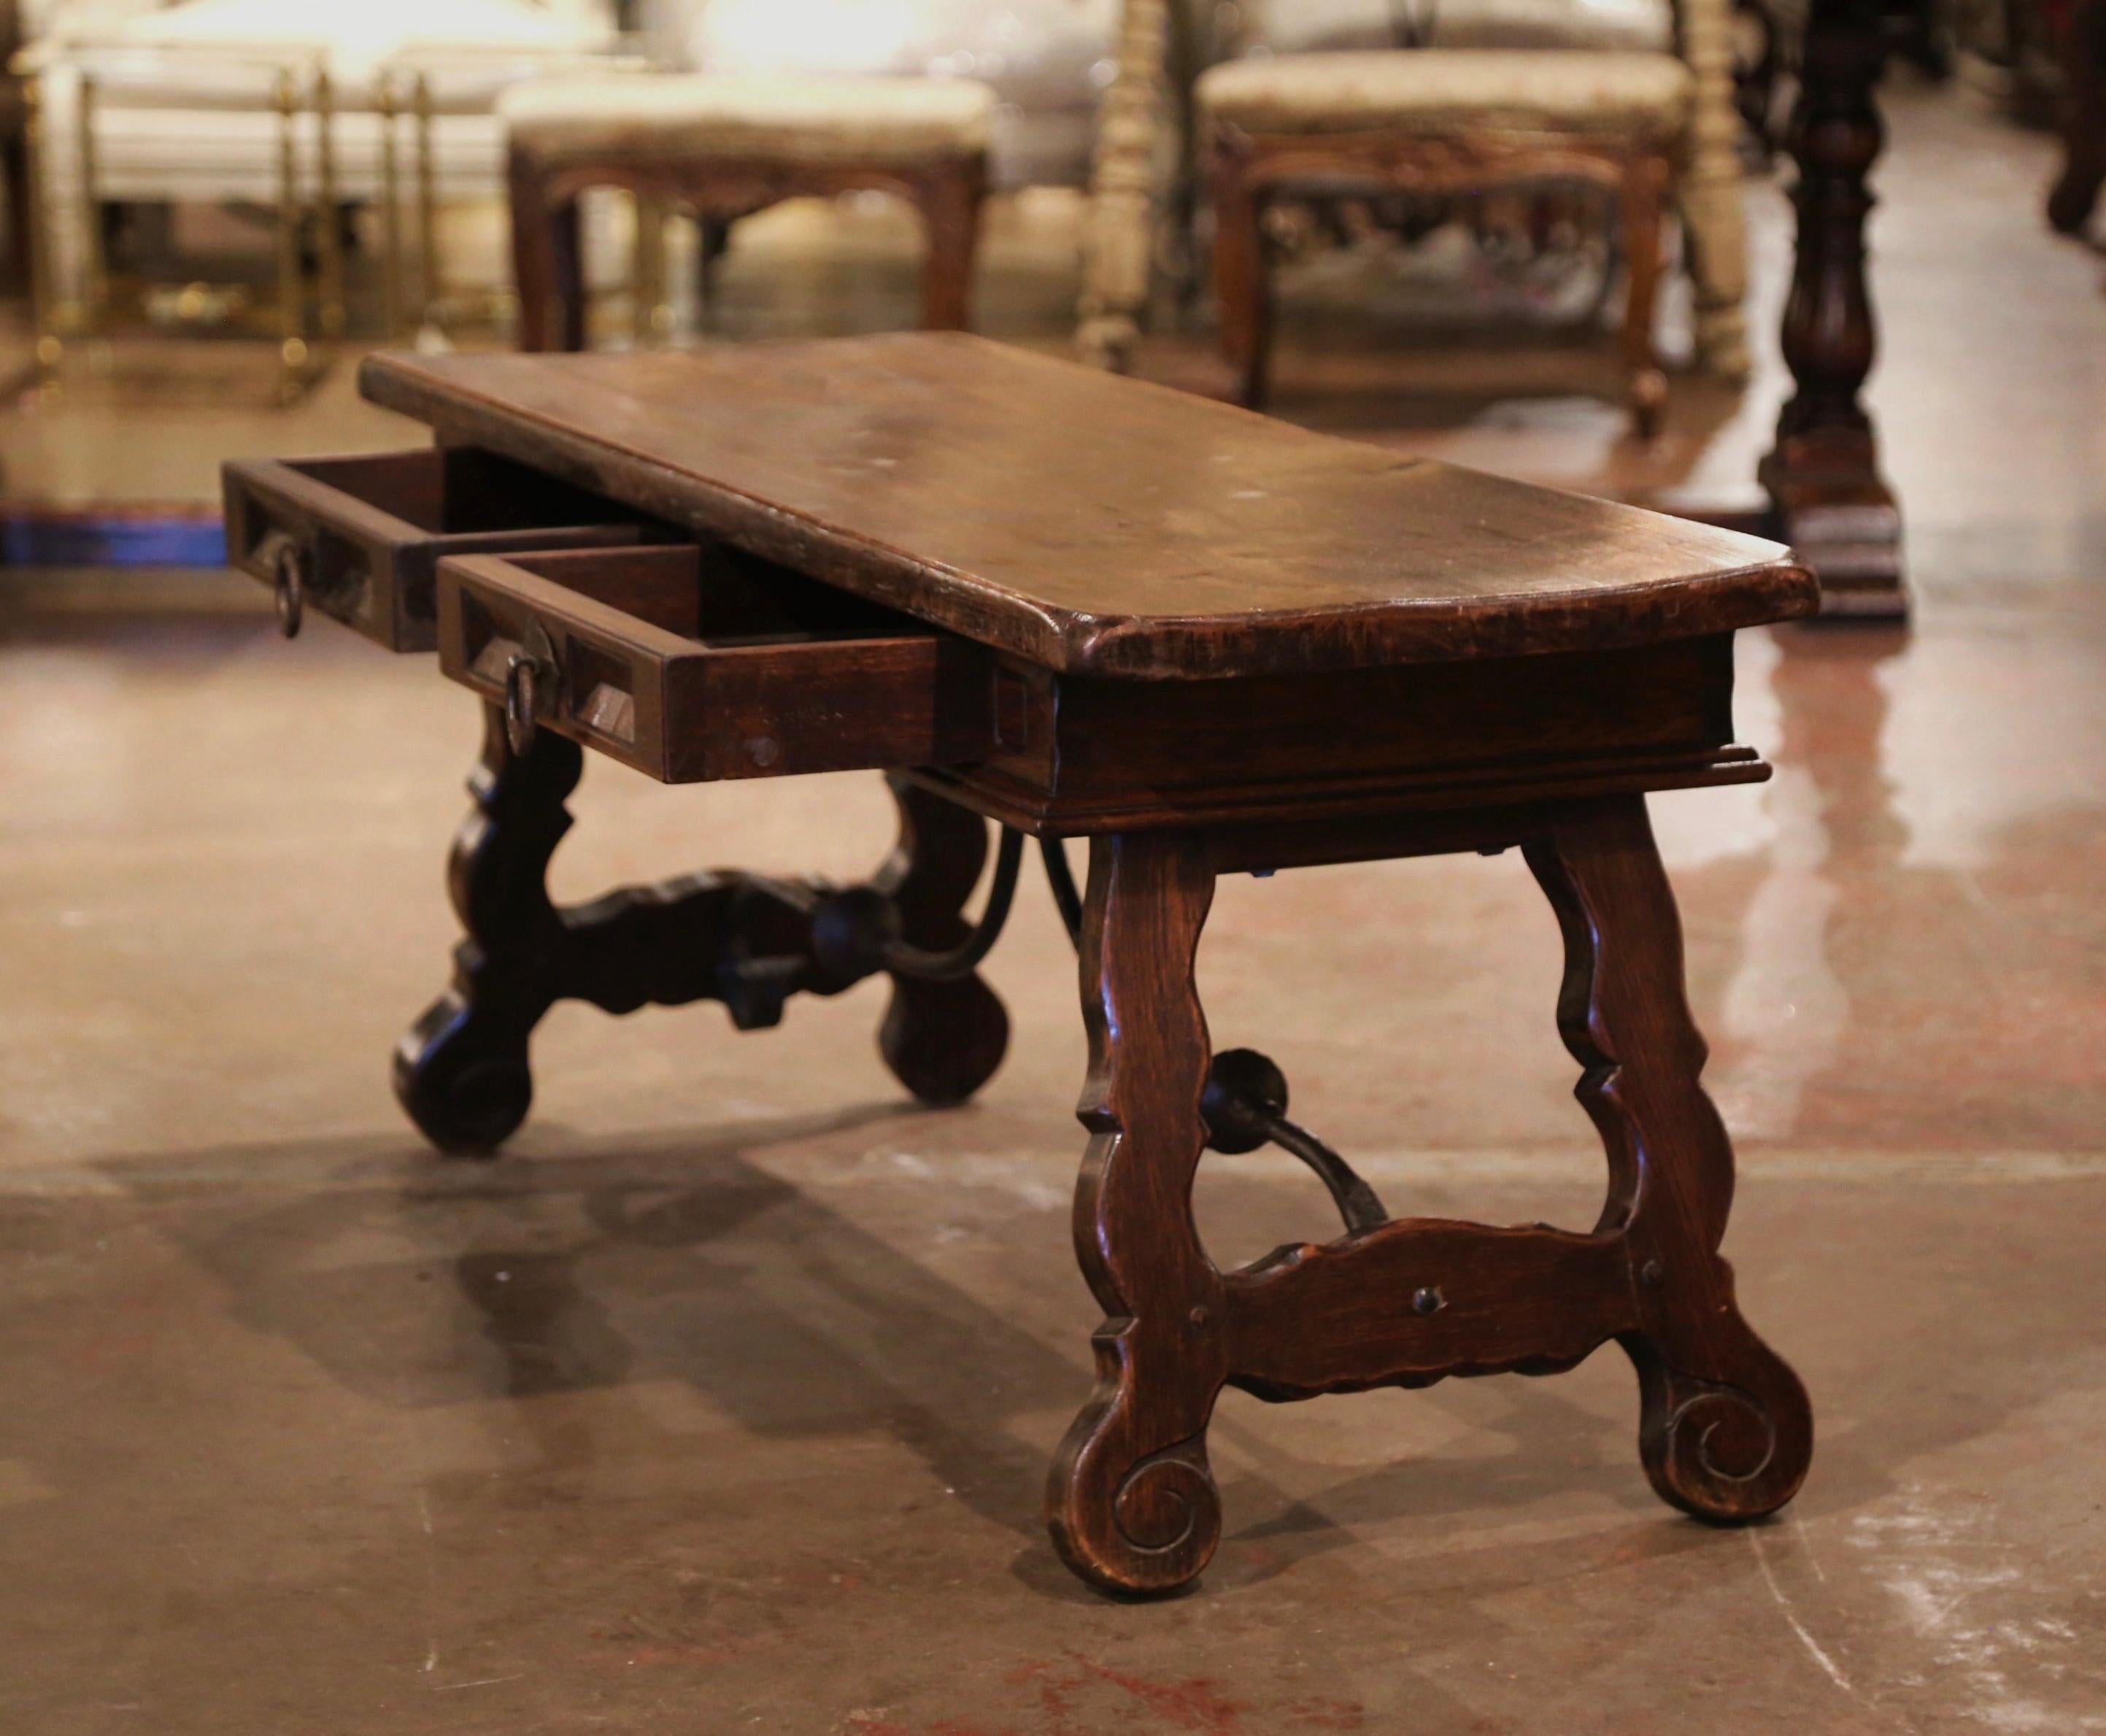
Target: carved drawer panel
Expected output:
[696,663]
[359,538]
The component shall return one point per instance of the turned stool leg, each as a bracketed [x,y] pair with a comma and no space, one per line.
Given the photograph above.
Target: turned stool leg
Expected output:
[1243,286]
[951,203]
[942,1040]
[1130,1501]
[568,249]
[1725,1432]
[533,252]
[461,1070]
[1645,186]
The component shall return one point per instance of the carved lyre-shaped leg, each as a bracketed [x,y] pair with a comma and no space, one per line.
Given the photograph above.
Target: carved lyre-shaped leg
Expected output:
[942,1040]
[749,941]
[1725,1431]
[1131,1503]
[461,1070]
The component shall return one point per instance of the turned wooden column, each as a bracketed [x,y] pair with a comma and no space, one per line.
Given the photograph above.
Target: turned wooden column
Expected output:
[1119,250]
[1827,494]
[2076,191]
[1709,194]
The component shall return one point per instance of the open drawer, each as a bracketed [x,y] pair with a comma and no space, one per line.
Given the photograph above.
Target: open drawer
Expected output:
[694,663]
[359,538]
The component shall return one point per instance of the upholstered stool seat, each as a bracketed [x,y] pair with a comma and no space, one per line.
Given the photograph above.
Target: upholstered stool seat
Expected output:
[1446,90]
[1048,61]
[817,118]
[1319,26]
[725,146]
[1440,120]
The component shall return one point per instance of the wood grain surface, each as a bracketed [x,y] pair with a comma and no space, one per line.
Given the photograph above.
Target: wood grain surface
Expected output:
[1094,524]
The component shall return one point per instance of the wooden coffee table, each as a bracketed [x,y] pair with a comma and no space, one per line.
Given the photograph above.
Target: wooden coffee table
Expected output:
[1081,605]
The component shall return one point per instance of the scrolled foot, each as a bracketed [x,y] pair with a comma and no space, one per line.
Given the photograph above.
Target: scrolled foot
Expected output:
[1727,1453]
[462,1076]
[944,1041]
[1143,1526]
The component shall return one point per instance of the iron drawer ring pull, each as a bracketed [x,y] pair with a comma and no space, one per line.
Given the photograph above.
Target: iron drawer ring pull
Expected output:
[290,587]
[521,676]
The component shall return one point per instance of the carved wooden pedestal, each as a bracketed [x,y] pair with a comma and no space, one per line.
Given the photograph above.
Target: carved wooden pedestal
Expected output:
[2075,194]
[1827,497]
[1725,1431]
[461,1071]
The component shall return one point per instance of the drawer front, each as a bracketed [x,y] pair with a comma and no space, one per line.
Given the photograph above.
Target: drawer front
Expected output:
[591,646]
[359,539]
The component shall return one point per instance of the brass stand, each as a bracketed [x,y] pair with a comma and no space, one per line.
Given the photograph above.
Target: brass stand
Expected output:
[292,352]
[58,318]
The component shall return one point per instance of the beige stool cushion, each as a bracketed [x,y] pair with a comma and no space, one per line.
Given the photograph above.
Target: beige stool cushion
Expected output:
[1320,26]
[797,118]
[1048,61]
[1452,90]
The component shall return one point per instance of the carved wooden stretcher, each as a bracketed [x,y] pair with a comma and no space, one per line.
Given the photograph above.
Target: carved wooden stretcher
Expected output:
[1084,607]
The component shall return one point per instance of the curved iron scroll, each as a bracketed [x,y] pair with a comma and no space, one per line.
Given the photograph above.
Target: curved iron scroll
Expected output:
[1245,1104]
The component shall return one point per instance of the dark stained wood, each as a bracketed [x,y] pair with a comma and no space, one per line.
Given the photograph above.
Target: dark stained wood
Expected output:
[1129,1499]
[17,193]
[368,532]
[1076,755]
[1399,660]
[942,1040]
[1421,1300]
[748,941]
[1725,1430]
[687,665]
[1827,497]
[548,260]
[1342,800]
[943,476]
[1244,285]
[685,708]
[461,1071]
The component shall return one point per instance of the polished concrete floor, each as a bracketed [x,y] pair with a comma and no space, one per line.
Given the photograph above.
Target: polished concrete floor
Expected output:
[722,1402]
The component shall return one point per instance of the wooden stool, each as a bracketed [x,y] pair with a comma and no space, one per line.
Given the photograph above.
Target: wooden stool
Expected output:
[724,148]
[1083,606]
[1434,120]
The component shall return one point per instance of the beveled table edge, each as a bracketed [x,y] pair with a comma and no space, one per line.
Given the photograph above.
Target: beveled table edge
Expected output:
[1373,635]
